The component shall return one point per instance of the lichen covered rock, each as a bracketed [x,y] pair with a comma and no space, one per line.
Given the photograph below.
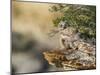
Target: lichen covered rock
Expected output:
[75,60]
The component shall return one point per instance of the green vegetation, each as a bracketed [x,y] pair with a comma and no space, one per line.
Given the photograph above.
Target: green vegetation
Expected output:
[81,17]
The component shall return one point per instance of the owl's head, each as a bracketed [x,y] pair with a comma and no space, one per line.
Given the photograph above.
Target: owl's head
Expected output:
[62,25]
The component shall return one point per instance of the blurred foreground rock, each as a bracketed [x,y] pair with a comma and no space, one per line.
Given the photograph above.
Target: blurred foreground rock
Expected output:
[26,57]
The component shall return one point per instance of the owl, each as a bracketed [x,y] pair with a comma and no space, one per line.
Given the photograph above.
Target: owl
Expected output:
[67,37]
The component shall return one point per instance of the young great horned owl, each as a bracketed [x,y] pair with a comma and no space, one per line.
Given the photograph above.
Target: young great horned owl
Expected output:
[67,37]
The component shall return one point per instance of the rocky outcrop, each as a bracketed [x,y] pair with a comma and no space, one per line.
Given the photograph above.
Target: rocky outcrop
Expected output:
[80,55]
[73,59]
